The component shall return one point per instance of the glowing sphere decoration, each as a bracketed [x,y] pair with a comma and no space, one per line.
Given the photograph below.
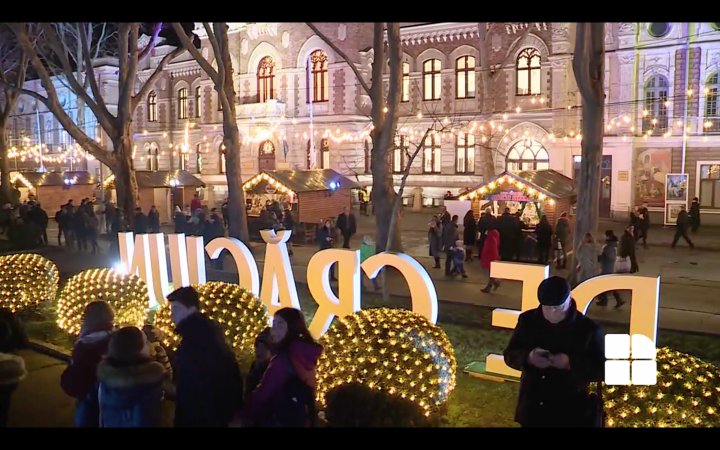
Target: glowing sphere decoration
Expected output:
[27,279]
[393,350]
[240,314]
[126,294]
[687,394]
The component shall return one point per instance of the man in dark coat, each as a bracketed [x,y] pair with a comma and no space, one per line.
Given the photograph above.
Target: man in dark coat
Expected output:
[644,223]
[154,220]
[449,237]
[681,227]
[559,351]
[209,385]
[694,214]
[507,227]
[347,225]
[141,222]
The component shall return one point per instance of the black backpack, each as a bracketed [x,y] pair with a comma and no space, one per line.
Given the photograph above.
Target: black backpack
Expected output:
[296,405]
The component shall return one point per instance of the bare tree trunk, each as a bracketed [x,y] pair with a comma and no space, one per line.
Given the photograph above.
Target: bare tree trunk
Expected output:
[588,66]
[126,187]
[236,195]
[4,163]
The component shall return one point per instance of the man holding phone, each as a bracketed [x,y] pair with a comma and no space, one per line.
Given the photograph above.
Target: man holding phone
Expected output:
[559,351]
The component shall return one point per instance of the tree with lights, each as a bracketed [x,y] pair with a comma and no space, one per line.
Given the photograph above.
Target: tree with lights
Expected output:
[13,68]
[222,77]
[50,60]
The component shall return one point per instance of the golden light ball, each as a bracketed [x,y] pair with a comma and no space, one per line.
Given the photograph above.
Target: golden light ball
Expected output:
[240,314]
[392,350]
[687,394]
[27,279]
[126,294]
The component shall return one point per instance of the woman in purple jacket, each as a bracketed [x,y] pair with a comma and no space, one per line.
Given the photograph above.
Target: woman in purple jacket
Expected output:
[286,393]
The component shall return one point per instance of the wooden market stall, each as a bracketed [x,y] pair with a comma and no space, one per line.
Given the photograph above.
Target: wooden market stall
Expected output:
[54,189]
[313,196]
[163,188]
[533,192]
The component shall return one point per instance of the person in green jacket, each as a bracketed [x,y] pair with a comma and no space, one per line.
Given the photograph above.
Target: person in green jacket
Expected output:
[367,249]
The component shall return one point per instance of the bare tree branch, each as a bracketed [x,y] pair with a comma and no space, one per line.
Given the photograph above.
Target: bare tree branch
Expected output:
[190,47]
[342,54]
[155,75]
[151,45]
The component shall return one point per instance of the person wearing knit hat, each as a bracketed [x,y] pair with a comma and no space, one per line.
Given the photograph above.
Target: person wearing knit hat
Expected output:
[560,352]
[130,390]
[79,380]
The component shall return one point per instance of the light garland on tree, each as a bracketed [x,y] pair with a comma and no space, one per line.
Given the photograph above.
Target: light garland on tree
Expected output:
[392,350]
[497,184]
[27,279]
[240,314]
[687,394]
[126,294]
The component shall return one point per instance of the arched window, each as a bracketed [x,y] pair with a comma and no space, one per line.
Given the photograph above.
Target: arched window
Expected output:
[266,79]
[405,95]
[221,152]
[319,77]
[465,77]
[431,79]
[152,107]
[528,72]
[198,158]
[182,98]
[198,102]
[655,114]
[465,153]
[152,156]
[182,161]
[399,152]
[432,162]
[712,113]
[266,156]
[527,154]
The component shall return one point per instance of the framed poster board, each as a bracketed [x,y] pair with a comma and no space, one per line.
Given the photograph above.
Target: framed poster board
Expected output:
[671,212]
[676,187]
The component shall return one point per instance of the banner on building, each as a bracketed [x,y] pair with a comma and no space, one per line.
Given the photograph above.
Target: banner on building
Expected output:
[649,171]
[676,196]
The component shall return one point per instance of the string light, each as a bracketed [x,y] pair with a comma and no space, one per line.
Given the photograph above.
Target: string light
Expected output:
[392,350]
[126,294]
[27,279]
[240,314]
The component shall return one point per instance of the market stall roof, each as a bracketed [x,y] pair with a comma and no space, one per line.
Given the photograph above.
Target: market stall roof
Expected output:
[536,184]
[301,180]
[161,179]
[32,180]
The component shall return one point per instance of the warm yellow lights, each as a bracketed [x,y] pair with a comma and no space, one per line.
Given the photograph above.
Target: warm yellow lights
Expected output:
[241,315]
[127,294]
[27,279]
[392,350]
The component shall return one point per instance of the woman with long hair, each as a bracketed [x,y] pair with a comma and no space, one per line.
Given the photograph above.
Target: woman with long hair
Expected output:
[286,394]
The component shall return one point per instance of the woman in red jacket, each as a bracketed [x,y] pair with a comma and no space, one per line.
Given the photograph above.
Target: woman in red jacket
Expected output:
[286,394]
[490,253]
[79,379]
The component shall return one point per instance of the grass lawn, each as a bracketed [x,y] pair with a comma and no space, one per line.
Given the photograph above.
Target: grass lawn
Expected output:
[474,403]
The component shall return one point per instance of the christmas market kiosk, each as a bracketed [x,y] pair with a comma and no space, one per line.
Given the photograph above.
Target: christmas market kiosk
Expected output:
[533,193]
[54,189]
[311,195]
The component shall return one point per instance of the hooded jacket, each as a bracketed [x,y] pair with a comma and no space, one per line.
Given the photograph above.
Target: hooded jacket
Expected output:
[130,396]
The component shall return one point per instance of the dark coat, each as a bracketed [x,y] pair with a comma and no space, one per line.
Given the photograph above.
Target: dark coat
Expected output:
[608,256]
[508,228]
[130,396]
[79,380]
[544,233]
[682,220]
[12,371]
[627,248]
[554,397]
[435,241]
[141,223]
[644,223]
[154,220]
[449,235]
[562,230]
[695,214]
[209,384]
[469,230]
[322,235]
[346,224]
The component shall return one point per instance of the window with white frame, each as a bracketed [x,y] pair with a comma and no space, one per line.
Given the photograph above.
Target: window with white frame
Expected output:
[198,158]
[325,153]
[465,153]
[465,77]
[527,154]
[198,102]
[221,152]
[528,72]
[152,107]
[152,157]
[709,178]
[432,155]
[712,116]
[405,95]
[432,79]
[399,152]
[182,162]
[182,99]
[266,79]
[319,90]
[655,114]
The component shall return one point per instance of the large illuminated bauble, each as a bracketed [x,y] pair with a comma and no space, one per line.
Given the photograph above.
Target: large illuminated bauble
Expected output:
[687,394]
[393,350]
[241,315]
[126,294]
[27,279]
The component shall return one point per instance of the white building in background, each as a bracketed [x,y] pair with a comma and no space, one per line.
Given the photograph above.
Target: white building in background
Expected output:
[300,106]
